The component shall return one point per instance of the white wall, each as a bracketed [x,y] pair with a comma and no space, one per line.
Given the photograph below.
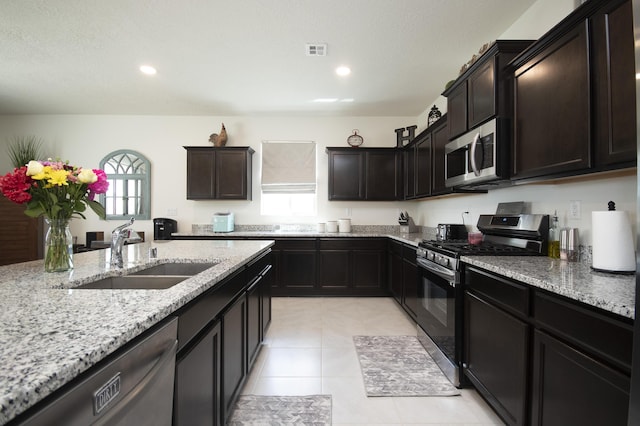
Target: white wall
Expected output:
[85,140]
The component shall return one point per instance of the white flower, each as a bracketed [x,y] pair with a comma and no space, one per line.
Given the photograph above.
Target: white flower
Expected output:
[87,176]
[34,168]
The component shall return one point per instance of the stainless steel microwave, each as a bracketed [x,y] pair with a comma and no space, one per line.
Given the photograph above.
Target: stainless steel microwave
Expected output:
[479,158]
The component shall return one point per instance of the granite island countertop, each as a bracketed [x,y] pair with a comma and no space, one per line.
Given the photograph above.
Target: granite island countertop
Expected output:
[51,331]
[575,280]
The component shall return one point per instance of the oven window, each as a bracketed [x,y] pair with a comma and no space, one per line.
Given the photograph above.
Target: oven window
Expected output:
[435,302]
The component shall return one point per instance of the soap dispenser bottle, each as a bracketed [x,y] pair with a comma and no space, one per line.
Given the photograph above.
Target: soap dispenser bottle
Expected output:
[554,237]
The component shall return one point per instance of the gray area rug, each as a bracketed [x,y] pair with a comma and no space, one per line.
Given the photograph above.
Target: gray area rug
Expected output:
[400,366]
[254,410]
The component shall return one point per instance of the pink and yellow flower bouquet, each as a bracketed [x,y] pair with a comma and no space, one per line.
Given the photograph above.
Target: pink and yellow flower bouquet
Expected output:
[59,192]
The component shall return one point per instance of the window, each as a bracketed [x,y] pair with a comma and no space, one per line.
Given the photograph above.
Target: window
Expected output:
[288,178]
[129,193]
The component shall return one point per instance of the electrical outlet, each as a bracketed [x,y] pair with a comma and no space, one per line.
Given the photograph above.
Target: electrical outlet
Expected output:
[575,209]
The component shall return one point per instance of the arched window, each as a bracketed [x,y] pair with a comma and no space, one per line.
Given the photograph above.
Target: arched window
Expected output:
[129,176]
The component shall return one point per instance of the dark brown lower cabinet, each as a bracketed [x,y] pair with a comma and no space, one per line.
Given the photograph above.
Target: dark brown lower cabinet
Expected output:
[497,348]
[254,321]
[542,359]
[571,388]
[234,350]
[197,382]
[403,276]
[297,267]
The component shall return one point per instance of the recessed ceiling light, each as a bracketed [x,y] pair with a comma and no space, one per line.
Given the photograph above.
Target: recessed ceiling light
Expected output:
[148,70]
[343,70]
[326,100]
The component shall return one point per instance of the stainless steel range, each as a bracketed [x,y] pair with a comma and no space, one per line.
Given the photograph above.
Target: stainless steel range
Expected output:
[441,293]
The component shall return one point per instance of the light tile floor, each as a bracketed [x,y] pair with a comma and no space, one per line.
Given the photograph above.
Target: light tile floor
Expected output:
[309,350]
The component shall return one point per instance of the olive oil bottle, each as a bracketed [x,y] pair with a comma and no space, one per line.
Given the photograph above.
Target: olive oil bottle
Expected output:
[554,237]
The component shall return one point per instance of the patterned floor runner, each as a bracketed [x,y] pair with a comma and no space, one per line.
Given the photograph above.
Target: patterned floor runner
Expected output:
[400,366]
[263,410]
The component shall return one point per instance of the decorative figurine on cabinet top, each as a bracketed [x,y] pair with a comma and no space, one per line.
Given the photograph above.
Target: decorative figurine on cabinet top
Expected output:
[434,115]
[219,139]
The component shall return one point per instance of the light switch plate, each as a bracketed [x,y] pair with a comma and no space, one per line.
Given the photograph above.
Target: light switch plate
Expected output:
[575,209]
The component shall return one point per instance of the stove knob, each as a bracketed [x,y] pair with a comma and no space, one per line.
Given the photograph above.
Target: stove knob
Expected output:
[445,261]
[431,255]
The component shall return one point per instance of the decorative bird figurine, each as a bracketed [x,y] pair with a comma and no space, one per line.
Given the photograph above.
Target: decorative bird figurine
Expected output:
[222,137]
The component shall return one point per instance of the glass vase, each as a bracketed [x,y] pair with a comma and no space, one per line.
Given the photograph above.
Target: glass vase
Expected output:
[58,246]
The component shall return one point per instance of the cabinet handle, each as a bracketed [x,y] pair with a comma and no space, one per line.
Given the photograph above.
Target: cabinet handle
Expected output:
[472,154]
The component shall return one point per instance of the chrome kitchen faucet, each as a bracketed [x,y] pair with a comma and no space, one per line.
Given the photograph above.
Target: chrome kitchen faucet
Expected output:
[118,237]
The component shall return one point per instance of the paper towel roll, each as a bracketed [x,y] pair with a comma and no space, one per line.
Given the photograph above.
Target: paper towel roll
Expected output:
[613,247]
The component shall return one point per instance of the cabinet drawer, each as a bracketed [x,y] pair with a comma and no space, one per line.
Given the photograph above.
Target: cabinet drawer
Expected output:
[258,266]
[409,253]
[296,244]
[601,335]
[507,294]
[195,316]
[352,244]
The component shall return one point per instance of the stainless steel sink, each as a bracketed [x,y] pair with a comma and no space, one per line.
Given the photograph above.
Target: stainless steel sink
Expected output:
[133,282]
[175,269]
[158,277]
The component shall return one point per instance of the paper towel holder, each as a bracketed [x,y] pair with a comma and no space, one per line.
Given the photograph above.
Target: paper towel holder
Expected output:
[613,249]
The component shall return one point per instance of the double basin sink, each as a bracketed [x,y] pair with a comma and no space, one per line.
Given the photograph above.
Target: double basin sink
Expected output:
[158,277]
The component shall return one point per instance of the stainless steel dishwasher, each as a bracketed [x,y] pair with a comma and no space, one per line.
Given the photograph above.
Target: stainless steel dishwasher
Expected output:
[135,388]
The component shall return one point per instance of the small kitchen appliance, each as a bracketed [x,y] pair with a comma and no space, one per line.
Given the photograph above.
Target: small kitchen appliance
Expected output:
[163,228]
[451,231]
[479,159]
[223,222]
[440,295]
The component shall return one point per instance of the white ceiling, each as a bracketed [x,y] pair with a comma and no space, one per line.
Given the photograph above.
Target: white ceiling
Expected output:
[242,57]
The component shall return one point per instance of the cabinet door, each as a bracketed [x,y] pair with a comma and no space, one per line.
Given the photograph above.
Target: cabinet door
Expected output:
[298,266]
[254,326]
[552,116]
[346,171]
[395,270]
[334,272]
[369,271]
[200,173]
[614,84]
[234,353]
[439,138]
[423,167]
[457,111]
[496,358]
[381,175]
[410,284]
[265,300]
[409,158]
[232,175]
[197,382]
[570,388]
[481,94]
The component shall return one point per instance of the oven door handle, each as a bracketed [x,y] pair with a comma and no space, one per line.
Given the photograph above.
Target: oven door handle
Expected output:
[472,154]
[440,271]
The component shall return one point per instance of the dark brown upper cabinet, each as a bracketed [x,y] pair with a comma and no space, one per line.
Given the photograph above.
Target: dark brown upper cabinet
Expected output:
[575,96]
[439,138]
[614,85]
[218,173]
[417,167]
[483,91]
[364,174]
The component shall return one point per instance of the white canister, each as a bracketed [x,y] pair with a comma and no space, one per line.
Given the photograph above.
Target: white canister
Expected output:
[344,225]
[332,226]
[322,227]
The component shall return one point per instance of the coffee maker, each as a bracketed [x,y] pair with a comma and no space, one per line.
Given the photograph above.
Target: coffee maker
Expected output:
[163,227]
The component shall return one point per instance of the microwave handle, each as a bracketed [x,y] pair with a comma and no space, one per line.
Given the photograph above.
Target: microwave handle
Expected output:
[472,154]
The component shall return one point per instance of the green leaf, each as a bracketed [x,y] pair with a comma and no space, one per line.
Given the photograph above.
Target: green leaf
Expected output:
[97,208]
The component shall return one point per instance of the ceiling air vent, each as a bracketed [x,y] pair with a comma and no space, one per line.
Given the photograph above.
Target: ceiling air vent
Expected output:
[316,49]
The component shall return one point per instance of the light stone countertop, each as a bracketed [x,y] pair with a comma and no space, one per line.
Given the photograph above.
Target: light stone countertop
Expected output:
[575,280]
[51,332]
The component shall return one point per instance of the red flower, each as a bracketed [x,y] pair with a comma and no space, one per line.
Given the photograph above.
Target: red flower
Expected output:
[15,186]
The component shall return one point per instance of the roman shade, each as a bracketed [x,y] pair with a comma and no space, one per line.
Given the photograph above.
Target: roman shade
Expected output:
[289,167]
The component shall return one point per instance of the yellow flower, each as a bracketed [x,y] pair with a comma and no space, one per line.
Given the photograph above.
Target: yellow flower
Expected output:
[87,176]
[57,177]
